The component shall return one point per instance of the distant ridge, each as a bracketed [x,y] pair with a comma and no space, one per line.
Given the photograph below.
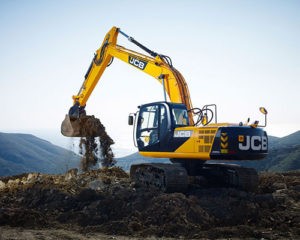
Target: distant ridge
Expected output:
[21,153]
[135,158]
[284,155]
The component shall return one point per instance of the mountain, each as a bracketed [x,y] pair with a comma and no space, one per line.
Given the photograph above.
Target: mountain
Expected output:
[273,140]
[135,158]
[291,140]
[284,155]
[21,153]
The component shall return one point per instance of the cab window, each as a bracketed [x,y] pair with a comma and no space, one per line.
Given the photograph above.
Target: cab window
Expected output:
[147,128]
[180,117]
[149,117]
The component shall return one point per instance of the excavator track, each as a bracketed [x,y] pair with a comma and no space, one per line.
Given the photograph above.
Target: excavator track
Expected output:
[174,177]
[163,177]
[231,175]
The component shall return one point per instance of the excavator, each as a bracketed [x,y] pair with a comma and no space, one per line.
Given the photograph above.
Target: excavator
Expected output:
[197,145]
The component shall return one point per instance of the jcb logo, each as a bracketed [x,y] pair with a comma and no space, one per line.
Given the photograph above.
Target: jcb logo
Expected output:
[137,62]
[255,143]
[182,134]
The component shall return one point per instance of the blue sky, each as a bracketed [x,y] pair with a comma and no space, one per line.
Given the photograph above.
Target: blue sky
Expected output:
[238,54]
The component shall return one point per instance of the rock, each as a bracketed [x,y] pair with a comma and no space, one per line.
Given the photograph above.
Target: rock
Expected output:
[279,196]
[32,177]
[97,184]
[71,174]
[279,186]
[2,185]
[13,182]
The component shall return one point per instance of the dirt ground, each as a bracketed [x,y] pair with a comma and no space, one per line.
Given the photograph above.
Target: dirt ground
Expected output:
[55,234]
[105,204]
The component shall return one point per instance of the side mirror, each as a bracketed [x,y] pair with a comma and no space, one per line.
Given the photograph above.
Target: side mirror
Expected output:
[130,120]
[264,112]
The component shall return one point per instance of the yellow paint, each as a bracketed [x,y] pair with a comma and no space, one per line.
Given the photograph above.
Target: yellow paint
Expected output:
[175,84]
[200,156]
[224,139]
[199,145]
[224,145]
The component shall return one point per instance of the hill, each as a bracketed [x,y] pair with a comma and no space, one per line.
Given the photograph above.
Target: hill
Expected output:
[287,141]
[135,158]
[20,153]
[284,155]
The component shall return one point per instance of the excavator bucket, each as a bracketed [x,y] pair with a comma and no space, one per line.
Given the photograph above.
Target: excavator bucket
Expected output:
[70,128]
[85,126]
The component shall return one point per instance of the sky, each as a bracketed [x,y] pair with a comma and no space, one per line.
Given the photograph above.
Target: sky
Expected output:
[240,55]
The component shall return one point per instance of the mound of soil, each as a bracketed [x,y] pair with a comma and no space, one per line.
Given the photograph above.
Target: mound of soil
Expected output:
[106,201]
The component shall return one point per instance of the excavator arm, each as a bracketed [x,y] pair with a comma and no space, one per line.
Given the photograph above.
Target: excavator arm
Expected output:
[156,65]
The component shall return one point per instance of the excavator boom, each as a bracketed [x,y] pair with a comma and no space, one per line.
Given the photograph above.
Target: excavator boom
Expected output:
[157,65]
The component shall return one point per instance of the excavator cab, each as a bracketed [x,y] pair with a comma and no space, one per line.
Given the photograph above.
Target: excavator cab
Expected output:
[155,125]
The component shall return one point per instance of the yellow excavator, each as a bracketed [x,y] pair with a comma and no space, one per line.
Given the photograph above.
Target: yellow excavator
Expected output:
[190,137]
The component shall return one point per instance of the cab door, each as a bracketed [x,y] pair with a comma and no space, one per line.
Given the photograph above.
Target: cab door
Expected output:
[152,126]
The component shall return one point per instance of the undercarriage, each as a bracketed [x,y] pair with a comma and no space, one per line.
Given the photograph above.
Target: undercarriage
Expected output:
[178,176]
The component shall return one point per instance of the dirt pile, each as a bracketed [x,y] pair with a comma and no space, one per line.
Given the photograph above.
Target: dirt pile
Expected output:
[107,201]
[96,147]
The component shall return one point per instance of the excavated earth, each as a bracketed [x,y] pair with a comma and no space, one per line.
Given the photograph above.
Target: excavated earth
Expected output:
[91,151]
[105,204]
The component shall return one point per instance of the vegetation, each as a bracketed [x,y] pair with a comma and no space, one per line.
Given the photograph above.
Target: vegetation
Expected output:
[21,153]
[284,155]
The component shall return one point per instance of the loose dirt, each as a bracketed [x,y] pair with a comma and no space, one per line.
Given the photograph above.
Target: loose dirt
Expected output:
[107,203]
[97,146]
